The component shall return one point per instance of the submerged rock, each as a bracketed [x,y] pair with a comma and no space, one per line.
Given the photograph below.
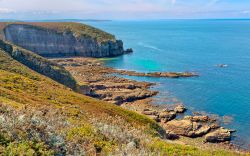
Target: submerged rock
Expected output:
[222,65]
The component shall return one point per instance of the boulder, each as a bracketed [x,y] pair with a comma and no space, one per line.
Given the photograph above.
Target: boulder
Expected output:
[198,118]
[180,127]
[180,109]
[215,126]
[166,116]
[138,95]
[202,130]
[187,128]
[219,135]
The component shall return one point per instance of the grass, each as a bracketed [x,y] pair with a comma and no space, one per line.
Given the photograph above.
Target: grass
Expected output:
[77,29]
[39,115]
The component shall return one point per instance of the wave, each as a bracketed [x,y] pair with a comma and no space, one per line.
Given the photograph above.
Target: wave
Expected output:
[149,46]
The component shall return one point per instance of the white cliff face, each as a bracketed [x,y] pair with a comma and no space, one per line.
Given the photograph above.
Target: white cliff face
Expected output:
[51,43]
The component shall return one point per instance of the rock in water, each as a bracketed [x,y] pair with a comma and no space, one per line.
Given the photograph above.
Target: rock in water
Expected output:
[130,50]
[219,135]
[180,109]
[198,118]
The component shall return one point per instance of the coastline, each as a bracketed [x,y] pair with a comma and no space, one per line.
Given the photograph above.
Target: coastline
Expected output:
[101,82]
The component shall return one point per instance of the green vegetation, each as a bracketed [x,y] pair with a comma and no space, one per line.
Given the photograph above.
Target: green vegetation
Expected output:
[39,116]
[77,29]
[161,147]
[27,148]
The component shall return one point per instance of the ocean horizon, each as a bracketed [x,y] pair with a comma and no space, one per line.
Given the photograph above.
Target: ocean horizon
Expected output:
[192,45]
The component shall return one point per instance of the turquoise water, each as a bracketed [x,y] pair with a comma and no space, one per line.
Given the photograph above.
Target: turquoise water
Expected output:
[193,45]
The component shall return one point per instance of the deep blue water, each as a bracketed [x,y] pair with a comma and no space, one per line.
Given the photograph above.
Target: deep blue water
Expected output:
[193,45]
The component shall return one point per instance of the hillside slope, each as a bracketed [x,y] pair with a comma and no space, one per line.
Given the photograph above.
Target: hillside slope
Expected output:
[39,64]
[39,116]
[61,39]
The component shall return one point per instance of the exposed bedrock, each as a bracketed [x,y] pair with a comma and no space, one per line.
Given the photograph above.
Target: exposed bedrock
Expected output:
[48,42]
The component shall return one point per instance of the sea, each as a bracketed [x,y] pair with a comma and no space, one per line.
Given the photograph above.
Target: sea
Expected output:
[217,49]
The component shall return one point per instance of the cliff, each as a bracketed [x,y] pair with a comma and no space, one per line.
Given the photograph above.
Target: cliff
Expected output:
[39,64]
[62,39]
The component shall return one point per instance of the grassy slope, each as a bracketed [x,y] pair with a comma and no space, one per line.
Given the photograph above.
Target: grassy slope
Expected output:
[39,64]
[97,126]
[76,28]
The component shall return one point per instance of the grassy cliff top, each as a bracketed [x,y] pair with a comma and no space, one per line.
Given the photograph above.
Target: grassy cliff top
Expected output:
[77,29]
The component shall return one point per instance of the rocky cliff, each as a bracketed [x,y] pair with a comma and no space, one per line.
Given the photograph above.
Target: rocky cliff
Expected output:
[62,39]
[39,64]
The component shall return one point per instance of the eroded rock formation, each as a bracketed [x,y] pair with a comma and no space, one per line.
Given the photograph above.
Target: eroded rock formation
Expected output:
[48,42]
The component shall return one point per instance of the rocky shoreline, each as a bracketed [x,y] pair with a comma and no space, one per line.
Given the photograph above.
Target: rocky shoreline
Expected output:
[158,74]
[97,81]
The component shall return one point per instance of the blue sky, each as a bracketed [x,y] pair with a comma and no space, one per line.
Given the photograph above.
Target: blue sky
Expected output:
[123,9]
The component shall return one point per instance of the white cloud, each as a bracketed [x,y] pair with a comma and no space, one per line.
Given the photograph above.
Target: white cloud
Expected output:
[119,9]
[245,12]
[6,11]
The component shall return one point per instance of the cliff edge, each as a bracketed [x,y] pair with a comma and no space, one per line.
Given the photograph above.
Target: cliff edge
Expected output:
[61,39]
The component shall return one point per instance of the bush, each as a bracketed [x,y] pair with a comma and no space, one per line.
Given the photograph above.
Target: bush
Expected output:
[27,148]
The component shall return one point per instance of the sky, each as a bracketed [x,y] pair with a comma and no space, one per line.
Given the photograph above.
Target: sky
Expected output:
[123,9]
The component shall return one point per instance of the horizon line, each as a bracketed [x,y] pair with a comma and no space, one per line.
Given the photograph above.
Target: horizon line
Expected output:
[79,19]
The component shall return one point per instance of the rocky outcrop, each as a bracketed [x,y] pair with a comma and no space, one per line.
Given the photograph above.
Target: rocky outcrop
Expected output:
[187,127]
[219,135]
[180,127]
[102,84]
[128,93]
[198,126]
[180,109]
[158,74]
[48,42]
